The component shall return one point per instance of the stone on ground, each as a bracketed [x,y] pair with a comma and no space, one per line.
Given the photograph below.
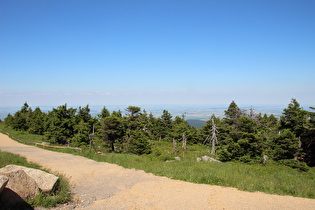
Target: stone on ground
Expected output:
[209,159]
[21,183]
[46,182]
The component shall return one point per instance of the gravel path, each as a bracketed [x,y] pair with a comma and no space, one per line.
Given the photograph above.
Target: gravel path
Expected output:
[107,186]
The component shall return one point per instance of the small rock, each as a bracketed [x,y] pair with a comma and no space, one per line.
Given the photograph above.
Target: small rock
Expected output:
[178,158]
[210,159]
[198,159]
[3,182]
[214,160]
[205,158]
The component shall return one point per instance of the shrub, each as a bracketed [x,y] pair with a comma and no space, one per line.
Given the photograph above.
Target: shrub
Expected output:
[165,157]
[139,144]
[295,164]
[224,155]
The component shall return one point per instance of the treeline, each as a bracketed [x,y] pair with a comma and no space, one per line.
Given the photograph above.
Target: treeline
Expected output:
[240,135]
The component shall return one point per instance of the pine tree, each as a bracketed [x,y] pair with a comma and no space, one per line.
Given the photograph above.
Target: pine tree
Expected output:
[20,118]
[285,145]
[232,114]
[112,130]
[294,120]
[104,113]
[61,124]
[36,122]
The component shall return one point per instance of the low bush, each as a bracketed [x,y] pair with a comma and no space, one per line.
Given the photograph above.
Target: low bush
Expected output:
[295,164]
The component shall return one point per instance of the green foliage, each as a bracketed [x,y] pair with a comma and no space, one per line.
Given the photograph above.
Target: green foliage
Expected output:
[162,126]
[232,114]
[104,113]
[295,164]
[285,145]
[20,118]
[224,155]
[293,118]
[61,124]
[138,143]
[240,136]
[308,139]
[112,130]
[36,122]
[81,136]
[272,178]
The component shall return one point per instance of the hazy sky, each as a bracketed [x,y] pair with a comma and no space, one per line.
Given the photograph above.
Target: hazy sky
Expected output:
[103,52]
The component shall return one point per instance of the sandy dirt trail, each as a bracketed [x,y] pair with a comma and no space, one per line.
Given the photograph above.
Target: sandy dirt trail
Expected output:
[107,186]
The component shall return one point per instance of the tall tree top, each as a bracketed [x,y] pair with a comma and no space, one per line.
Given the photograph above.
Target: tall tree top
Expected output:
[134,110]
[104,113]
[233,110]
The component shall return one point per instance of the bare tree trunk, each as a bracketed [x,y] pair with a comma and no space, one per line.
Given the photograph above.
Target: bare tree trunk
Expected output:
[184,141]
[251,112]
[214,138]
[265,159]
[299,148]
[175,146]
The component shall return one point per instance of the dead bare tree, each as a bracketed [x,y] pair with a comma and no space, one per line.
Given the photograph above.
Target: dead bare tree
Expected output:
[265,159]
[184,140]
[251,112]
[175,146]
[212,137]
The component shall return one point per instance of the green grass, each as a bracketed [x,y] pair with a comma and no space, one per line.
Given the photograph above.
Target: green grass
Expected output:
[272,178]
[60,196]
[21,136]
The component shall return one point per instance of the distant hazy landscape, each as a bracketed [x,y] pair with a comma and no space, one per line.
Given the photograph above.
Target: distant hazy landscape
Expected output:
[192,112]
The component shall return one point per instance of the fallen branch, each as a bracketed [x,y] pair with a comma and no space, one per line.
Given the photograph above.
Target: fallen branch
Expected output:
[58,147]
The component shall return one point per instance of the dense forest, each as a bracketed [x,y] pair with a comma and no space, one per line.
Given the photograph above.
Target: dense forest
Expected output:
[241,135]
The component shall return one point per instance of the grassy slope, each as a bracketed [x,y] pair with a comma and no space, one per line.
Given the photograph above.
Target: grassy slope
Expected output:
[271,179]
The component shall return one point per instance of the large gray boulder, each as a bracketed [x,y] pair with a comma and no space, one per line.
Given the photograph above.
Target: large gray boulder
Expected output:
[22,184]
[3,182]
[45,182]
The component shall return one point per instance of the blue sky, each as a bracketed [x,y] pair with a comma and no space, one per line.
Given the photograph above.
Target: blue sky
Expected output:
[110,52]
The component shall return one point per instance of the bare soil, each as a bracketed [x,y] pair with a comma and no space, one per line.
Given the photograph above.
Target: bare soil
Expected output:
[98,185]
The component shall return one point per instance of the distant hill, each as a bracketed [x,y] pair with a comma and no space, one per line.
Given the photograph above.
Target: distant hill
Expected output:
[196,123]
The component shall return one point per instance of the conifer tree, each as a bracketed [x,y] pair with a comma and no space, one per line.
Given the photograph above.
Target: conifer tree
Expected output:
[112,130]
[232,114]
